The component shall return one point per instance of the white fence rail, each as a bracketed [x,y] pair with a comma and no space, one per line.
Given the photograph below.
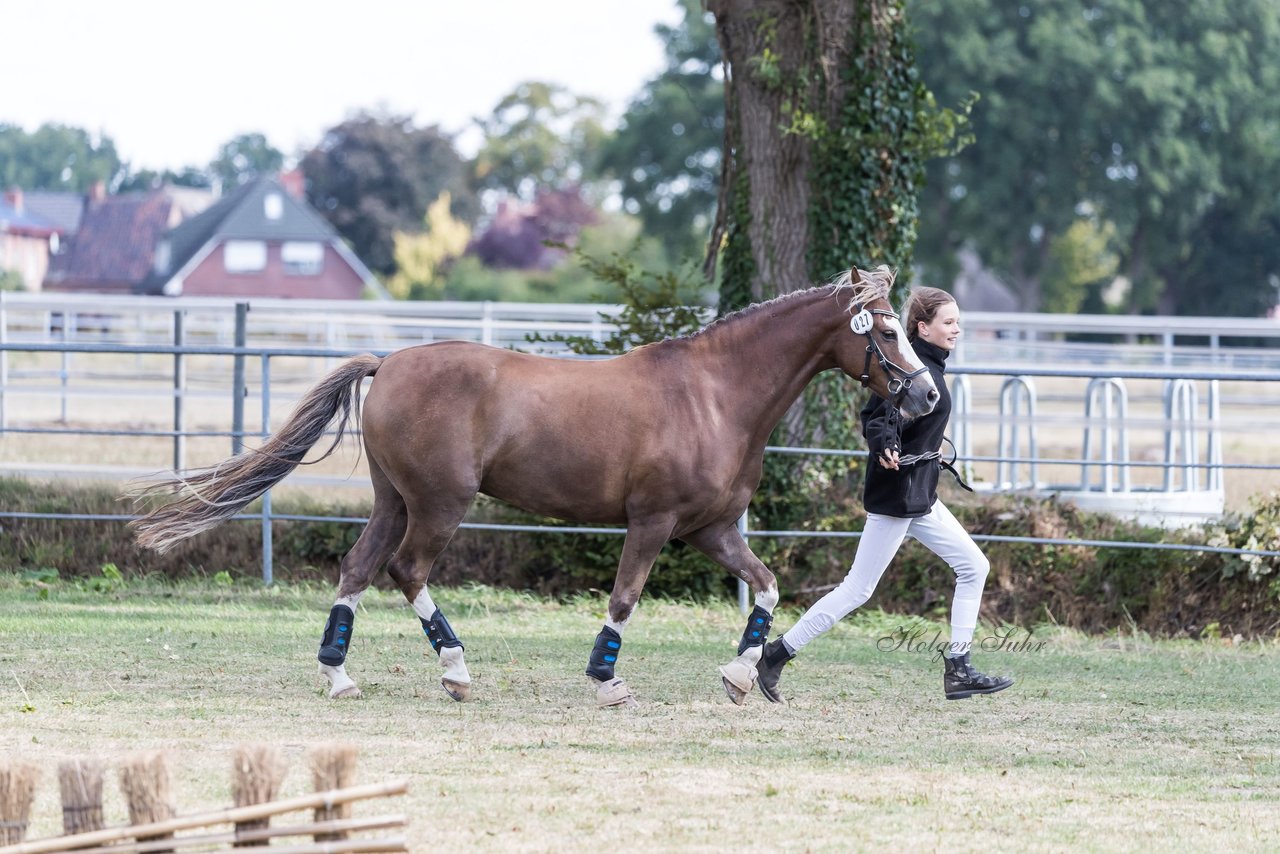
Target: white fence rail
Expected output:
[83,380]
[990,338]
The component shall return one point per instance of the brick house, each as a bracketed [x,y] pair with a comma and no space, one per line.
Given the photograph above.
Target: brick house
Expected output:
[111,251]
[260,240]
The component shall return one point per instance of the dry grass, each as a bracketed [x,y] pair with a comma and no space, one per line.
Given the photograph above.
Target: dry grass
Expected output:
[1109,743]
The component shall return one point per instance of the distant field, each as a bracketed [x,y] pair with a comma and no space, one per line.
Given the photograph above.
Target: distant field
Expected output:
[1114,743]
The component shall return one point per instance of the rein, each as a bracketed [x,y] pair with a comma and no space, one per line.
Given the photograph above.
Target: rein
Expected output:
[949,465]
[862,323]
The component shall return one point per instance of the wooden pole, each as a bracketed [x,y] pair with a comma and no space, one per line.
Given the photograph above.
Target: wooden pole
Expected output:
[147,789]
[17,791]
[319,799]
[354,825]
[257,770]
[80,781]
[333,766]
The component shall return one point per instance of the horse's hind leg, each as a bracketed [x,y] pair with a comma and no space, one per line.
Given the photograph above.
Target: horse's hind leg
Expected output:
[381,535]
[410,567]
[724,544]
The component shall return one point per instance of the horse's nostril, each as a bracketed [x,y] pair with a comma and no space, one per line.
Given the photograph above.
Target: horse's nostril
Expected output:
[932,396]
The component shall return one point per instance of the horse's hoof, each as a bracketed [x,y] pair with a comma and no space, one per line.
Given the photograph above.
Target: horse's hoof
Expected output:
[351,692]
[459,691]
[614,693]
[739,678]
[738,696]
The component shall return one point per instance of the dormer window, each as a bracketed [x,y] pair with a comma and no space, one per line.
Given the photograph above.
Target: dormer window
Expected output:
[273,206]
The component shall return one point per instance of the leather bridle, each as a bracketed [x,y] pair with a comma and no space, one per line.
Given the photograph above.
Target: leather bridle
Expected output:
[862,324]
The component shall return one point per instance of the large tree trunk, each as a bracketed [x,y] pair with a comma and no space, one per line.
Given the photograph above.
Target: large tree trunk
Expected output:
[769,51]
[821,173]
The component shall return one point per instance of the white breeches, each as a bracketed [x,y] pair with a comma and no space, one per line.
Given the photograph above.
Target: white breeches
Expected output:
[939,532]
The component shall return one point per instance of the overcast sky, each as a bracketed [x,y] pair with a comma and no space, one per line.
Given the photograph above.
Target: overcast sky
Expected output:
[170,82]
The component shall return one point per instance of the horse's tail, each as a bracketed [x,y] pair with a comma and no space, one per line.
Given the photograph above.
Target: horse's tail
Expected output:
[213,495]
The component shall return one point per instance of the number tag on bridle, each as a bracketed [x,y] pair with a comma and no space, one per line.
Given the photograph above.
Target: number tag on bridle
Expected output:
[862,322]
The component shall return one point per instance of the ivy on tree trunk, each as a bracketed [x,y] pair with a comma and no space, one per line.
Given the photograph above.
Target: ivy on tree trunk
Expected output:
[828,127]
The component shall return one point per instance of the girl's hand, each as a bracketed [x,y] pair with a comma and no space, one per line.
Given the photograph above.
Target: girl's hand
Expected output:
[888,458]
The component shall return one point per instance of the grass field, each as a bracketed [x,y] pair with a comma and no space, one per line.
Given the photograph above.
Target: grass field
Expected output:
[1112,743]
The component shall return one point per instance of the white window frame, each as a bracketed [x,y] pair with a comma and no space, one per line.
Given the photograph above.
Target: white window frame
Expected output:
[302,257]
[244,256]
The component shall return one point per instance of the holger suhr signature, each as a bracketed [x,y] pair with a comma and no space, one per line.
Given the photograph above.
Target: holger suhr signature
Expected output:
[917,639]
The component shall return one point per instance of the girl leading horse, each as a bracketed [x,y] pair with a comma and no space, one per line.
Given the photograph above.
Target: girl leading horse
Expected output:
[667,439]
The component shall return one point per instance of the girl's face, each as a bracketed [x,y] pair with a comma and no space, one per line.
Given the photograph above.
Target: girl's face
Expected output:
[944,330]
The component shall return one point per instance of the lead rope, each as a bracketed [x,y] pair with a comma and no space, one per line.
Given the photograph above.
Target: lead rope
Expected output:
[949,465]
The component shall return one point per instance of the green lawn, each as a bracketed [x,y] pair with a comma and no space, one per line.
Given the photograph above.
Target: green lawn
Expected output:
[1109,743]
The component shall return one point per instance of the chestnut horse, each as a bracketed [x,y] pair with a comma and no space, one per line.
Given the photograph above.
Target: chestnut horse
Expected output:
[667,439]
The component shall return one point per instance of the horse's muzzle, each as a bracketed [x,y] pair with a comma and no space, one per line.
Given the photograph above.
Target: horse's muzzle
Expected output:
[917,397]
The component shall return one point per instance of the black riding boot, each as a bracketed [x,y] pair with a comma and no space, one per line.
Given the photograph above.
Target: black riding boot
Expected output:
[769,670]
[960,680]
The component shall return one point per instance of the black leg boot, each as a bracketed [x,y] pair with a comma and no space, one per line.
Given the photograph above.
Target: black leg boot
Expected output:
[960,680]
[769,670]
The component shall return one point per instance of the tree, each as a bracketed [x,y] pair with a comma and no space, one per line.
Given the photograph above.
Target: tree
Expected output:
[1159,120]
[827,132]
[666,153]
[55,157]
[1080,259]
[615,235]
[11,280]
[518,235]
[829,127]
[243,158]
[374,175]
[422,258]
[540,137]
[149,179]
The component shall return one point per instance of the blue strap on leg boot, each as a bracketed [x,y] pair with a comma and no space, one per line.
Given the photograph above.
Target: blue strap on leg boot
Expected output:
[604,655]
[757,631]
[337,635]
[439,632]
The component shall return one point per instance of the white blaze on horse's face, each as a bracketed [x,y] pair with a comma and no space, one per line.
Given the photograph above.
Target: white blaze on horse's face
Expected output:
[908,352]
[920,398]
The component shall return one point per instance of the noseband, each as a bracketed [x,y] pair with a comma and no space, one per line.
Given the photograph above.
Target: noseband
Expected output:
[862,323]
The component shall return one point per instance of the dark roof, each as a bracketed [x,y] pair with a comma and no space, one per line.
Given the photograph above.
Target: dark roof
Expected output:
[241,214]
[64,210]
[116,240]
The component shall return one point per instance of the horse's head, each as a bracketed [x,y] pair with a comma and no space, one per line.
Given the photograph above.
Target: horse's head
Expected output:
[874,349]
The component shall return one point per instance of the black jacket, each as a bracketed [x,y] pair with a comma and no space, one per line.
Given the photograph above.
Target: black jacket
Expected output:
[910,490]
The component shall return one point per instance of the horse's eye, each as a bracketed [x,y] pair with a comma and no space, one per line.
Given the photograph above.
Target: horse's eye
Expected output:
[889,334]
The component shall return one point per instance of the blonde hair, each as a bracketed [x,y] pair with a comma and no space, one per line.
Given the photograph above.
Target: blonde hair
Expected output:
[867,285]
[923,306]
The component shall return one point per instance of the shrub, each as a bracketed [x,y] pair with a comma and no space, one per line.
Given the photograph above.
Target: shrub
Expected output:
[1163,592]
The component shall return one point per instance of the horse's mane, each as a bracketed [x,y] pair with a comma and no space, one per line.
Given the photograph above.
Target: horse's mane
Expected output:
[871,285]
[860,286]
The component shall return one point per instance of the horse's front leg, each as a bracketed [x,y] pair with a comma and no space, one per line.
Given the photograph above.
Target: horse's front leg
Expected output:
[724,545]
[639,551]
